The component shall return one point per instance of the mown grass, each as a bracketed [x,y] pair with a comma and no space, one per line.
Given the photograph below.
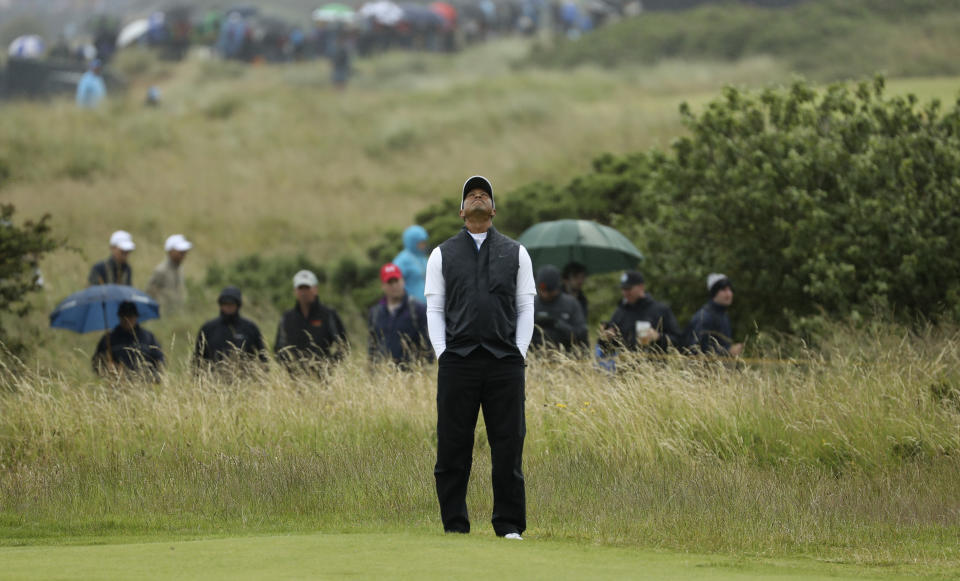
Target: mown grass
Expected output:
[402,555]
[850,455]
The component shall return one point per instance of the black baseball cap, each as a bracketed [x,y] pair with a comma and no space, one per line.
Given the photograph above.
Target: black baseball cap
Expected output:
[477,182]
[127,309]
[630,278]
[548,277]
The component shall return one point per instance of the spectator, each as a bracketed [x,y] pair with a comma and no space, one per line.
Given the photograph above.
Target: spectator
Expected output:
[412,261]
[115,269]
[340,61]
[229,340]
[710,331]
[558,318]
[128,348]
[166,283]
[310,334]
[91,89]
[574,275]
[398,323]
[639,323]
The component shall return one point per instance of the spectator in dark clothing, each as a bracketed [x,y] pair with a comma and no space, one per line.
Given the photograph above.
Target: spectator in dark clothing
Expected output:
[398,323]
[557,316]
[710,331]
[128,348]
[229,339]
[340,59]
[114,270]
[574,275]
[310,334]
[639,323]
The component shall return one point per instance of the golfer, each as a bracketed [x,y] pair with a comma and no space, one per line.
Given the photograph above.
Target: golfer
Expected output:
[480,289]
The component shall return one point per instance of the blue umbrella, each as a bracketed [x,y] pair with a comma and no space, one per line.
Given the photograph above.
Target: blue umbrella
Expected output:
[95,308]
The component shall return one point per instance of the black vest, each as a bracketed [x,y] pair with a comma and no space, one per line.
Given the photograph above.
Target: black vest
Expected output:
[481,293]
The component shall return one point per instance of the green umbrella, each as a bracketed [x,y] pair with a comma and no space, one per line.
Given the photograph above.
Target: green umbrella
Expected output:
[334,13]
[600,248]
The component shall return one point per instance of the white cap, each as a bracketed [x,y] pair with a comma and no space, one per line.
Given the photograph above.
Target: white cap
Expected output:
[713,278]
[304,277]
[122,240]
[177,242]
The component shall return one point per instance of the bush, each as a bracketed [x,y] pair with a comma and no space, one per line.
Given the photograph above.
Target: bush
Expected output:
[818,205]
[21,248]
[269,278]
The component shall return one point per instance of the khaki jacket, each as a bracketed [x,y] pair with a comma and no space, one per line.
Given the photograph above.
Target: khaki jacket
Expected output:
[167,286]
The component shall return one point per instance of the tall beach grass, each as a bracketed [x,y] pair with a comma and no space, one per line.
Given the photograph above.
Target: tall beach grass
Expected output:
[850,454]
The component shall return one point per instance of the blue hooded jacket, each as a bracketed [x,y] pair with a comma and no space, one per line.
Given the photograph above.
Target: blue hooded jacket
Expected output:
[91,90]
[412,262]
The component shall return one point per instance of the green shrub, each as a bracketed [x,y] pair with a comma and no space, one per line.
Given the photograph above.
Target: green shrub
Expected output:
[265,277]
[223,108]
[819,205]
[21,248]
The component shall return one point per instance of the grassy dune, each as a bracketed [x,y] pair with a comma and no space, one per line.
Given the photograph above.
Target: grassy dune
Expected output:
[274,161]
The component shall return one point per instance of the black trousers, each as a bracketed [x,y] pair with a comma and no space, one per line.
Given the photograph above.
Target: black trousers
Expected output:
[465,385]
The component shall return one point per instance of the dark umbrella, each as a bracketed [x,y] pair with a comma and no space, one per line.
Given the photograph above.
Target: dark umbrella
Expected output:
[95,308]
[600,248]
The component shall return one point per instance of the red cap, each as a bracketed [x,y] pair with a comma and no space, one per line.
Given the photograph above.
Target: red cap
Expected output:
[389,271]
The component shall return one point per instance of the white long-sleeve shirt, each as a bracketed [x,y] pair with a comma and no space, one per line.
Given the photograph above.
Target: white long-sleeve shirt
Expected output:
[435,291]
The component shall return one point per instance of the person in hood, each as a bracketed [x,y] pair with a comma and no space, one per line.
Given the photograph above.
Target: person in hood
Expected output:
[91,89]
[639,323]
[229,340]
[128,348]
[310,334]
[398,323]
[710,331]
[412,261]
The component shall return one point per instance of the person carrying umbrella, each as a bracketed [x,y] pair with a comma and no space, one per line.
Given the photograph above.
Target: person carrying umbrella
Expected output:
[574,275]
[558,317]
[128,348]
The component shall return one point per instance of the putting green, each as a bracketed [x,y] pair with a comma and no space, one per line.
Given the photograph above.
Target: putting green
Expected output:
[416,556]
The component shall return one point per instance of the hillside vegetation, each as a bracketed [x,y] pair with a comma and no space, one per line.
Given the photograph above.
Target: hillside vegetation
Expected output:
[822,204]
[274,162]
[822,39]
